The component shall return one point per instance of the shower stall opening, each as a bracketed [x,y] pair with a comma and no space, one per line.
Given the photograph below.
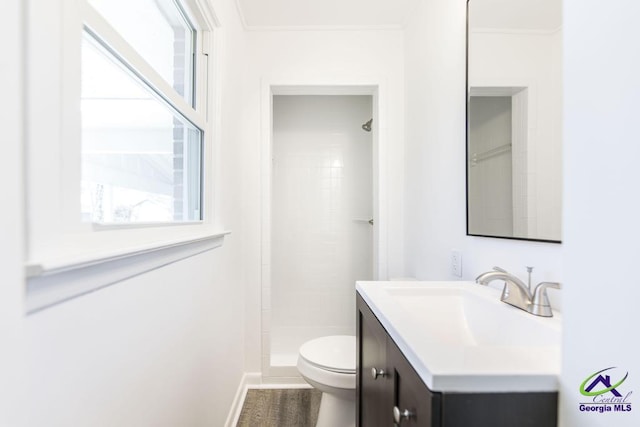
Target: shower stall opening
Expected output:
[321,224]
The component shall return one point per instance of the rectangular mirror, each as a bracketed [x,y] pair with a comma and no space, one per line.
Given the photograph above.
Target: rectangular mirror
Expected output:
[514,119]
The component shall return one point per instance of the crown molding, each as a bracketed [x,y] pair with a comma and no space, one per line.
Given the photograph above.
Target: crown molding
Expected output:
[541,32]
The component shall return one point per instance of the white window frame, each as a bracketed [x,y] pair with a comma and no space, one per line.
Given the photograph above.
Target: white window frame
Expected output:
[66,257]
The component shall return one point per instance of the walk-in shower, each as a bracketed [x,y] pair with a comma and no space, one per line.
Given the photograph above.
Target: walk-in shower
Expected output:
[321,208]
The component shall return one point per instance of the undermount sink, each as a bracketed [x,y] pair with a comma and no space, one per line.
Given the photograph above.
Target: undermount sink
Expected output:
[460,337]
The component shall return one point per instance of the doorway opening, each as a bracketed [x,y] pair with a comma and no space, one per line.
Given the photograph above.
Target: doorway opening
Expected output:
[320,217]
[321,208]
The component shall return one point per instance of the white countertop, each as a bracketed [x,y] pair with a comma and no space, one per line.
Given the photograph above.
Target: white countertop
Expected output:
[459,336]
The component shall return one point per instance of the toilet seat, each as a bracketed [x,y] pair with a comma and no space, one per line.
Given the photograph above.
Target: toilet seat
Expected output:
[329,365]
[333,353]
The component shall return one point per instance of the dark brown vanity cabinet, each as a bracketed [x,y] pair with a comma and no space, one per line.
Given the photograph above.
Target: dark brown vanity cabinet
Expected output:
[389,390]
[373,379]
[414,404]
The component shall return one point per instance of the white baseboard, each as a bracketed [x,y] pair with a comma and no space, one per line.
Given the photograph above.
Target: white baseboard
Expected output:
[267,386]
[249,380]
[253,380]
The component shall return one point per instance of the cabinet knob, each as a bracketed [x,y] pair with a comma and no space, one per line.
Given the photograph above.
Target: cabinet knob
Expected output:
[399,415]
[375,373]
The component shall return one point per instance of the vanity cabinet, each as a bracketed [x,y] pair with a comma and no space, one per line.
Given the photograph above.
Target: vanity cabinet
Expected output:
[413,403]
[388,390]
[373,373]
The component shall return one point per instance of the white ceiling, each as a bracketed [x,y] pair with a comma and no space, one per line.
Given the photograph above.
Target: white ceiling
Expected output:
[324,13]
[516,14]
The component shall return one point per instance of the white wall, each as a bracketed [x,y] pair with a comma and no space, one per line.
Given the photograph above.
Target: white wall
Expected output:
[326,58]
[435,159]
[12,367]
[601,202]
[162,349]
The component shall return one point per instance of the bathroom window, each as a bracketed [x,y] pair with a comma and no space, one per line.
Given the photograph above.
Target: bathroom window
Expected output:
[120,166]
[142,140]
[160,32]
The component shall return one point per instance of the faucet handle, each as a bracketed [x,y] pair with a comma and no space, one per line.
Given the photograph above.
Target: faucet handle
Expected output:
[501,270]
[540,304]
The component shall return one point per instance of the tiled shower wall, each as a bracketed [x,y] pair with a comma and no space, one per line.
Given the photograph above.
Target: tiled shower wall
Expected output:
[321,240]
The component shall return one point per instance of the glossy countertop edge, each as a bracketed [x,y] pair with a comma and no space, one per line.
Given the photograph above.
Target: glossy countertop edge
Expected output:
[456,382]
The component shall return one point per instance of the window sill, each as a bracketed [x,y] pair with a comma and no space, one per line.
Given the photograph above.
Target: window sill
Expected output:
[49,284]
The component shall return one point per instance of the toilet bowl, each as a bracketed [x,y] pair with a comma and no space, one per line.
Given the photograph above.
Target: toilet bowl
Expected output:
[329,365]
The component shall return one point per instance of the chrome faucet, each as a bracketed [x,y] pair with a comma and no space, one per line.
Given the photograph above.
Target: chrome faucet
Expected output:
[540,304]
[515,292]
[518,294]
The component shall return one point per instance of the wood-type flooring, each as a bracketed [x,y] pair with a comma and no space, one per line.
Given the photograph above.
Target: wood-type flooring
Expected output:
[280,408]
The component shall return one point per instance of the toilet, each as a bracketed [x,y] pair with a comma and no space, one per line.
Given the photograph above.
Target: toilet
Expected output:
[329,365]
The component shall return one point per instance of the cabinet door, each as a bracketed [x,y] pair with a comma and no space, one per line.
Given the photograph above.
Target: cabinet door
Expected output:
[373,382]
[416,405]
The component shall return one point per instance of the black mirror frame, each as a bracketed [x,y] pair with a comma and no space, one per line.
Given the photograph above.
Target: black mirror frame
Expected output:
[466,151]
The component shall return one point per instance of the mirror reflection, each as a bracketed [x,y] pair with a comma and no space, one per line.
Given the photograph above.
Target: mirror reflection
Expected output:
[514,119]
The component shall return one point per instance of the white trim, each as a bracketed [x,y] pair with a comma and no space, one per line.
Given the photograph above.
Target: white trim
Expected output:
[287,386]
[56,235]
[101,28]
[35,269]
[248,379]
[516,31]
[204,12]
[106,226]
[50,284]
[376,87]
[355,89]
[252,28]
[213,151]
[283,375]
[15,401]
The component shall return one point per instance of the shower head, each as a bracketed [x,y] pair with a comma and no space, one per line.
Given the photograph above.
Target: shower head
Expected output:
[367,126]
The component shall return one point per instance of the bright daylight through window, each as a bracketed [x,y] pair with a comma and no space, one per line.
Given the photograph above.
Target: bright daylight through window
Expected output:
[141,155]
